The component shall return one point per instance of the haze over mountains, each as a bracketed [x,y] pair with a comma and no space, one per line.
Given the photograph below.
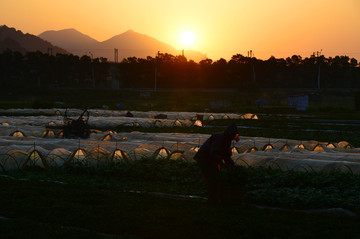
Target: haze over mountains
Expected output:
[129,43]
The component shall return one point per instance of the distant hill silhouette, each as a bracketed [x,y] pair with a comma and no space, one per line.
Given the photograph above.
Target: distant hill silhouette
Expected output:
[9,43]
[69,39]
[15,40]
[129,44]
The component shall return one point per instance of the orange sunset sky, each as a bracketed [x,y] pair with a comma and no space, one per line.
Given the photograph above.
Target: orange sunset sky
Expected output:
[221,28]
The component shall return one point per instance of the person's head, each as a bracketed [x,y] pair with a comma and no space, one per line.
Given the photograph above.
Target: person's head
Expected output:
[232,132]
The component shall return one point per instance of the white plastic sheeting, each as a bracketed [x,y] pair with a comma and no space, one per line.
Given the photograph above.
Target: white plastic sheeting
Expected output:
[20,152]
[304,162]
[17,153]
[99,122]
[115,113]
[25,141]
[109,118]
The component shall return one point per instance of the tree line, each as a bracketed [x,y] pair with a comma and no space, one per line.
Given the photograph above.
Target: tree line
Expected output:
[37,70]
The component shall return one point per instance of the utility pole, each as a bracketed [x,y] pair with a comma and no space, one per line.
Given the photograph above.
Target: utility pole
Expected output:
[253,74]
[93,70]
[116,55]
[318,81]
[251,55]
[156,58]
[318,55]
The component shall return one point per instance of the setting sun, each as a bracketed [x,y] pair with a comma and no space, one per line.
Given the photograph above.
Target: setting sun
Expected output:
[187,38]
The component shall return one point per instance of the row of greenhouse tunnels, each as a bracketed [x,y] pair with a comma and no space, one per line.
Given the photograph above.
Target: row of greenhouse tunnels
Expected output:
[37,140]
[283,155]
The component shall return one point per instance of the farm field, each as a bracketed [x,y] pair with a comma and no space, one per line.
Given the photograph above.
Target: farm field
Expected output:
[151,187]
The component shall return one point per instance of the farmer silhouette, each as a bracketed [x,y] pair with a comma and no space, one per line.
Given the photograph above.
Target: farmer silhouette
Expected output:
[212,155]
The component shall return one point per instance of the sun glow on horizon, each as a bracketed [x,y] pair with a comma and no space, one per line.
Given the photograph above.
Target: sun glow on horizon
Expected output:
[187,38]
[280,28]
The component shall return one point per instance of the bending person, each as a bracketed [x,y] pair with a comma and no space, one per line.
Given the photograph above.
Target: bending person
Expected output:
[211,156]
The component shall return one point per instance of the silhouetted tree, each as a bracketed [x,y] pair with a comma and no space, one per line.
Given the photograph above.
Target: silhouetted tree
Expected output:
[67,71]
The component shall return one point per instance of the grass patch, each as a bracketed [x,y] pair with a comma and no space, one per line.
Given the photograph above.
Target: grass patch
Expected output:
[178,100]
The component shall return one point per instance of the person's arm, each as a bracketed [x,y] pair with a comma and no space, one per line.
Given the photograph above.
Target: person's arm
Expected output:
[227,157]
[228,160]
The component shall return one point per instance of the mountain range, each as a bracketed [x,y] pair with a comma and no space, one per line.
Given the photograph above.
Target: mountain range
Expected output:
[129,44]
[17,41]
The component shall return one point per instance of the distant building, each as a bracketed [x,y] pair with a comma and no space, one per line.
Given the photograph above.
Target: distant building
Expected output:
[300,102]
[219,104]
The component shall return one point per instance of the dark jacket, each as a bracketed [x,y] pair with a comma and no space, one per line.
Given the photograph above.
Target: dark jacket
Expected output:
[218,147]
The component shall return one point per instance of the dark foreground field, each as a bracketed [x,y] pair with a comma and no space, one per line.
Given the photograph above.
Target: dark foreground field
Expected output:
[132,200]
[124,202]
